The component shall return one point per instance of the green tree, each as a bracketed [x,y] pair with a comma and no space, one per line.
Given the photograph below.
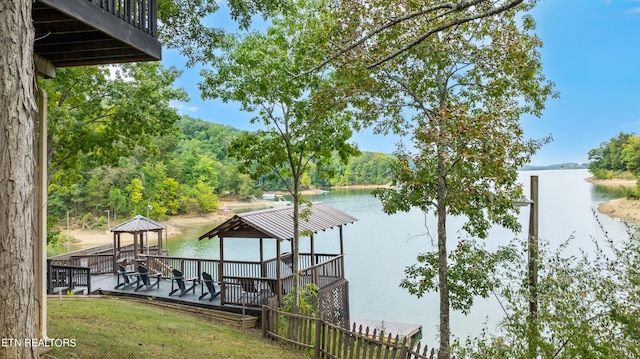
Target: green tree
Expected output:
[198,167]
[117,201]
[464,91]
[182,23]
[631,154]
[99,114]
[305,181]
[256,72]
[207,200]
[608,158]
[245,186]
[170,195]
[362,31]
[135,189]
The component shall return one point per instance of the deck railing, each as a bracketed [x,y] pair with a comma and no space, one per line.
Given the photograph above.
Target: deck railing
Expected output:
[100,259]
[256,280]
[97,263]
[190,267]
[67,278]
[141,14]
[106,248]
[322,274]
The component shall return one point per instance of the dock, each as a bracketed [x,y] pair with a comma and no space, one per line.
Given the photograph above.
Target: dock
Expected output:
[411,331]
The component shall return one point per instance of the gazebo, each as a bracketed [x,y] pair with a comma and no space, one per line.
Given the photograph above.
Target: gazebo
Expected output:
[140,227]
[275,275]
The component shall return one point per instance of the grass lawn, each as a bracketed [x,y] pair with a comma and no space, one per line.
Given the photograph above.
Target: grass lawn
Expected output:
[117,328]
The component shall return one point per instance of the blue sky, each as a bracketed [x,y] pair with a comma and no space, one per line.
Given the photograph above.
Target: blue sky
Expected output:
[591,51]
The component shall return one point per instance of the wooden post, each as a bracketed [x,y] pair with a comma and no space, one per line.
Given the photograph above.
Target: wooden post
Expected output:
[160,242]
[533,268]
[115,253]
[135,245]
[278,278]
[263,321]
[166,241]
[223,294]
[314,270]
[313,251]
[40,248]
[319,333]
[341,241]
[262,267]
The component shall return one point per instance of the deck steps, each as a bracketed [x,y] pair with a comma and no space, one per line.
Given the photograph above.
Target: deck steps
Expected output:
[217,316]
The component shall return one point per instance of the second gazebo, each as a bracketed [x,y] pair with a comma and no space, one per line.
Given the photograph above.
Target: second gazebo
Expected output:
[140,227]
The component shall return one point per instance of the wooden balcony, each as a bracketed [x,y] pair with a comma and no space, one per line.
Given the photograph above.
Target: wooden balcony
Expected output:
[94,32]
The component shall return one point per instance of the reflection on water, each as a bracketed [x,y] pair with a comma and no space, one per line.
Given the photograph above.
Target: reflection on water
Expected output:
[604,193]
[379,246]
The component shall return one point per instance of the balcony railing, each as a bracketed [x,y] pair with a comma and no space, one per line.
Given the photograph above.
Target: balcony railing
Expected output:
[141,14]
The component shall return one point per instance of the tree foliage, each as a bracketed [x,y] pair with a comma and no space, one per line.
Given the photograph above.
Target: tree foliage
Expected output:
[362,28]
[255,71]
[588,305]
[184,24]
[460,95]
[620,153]
[172,189]
[98,114]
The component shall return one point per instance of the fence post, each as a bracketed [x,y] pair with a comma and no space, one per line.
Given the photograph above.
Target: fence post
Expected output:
[263,322]
[319,332]
[403,348]
[88,281]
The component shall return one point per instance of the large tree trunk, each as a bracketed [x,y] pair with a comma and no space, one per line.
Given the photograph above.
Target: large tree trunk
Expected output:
[441,211]
[17,180]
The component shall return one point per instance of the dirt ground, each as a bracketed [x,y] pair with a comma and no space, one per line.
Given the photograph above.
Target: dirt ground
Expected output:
[627,209]
[175,225]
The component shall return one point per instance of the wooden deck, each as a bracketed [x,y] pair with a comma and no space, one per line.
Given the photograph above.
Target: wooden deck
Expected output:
[230,315]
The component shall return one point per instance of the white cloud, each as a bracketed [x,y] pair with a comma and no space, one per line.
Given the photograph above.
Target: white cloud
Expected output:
[182,107]
[635,10]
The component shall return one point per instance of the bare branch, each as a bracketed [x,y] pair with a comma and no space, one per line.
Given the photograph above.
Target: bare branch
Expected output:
[450,6]
[445,26]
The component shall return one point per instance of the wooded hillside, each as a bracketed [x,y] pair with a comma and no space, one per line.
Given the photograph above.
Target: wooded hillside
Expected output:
[182,170]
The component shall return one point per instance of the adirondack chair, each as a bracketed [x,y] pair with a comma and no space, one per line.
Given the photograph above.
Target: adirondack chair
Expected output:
[144,279]
[258,293]
[180,281]
[125,278]
[207,281]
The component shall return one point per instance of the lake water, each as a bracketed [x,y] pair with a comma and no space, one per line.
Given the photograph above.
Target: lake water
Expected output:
[378,247]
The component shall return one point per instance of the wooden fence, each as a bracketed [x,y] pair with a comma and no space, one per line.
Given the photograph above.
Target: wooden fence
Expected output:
[320,339]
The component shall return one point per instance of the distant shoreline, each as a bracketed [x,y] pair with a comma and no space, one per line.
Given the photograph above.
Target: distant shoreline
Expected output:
[623,208]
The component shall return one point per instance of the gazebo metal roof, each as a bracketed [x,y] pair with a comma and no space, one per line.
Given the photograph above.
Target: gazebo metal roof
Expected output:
[138,224]
[278,222]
